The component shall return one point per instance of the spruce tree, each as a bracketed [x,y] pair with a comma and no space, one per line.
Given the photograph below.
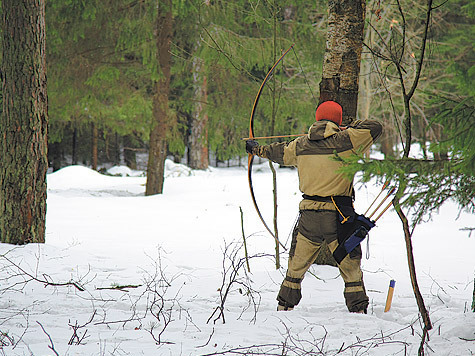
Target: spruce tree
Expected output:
[96,76]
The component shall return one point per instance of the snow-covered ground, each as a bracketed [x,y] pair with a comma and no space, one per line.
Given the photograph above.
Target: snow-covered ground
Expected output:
[168,253]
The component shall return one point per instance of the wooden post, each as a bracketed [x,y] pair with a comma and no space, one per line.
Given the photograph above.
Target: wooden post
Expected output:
[389,299]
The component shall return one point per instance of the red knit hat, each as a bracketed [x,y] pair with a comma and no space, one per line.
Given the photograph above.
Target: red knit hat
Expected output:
[329,110]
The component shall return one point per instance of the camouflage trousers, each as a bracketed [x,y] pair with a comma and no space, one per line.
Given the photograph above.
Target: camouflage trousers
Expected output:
[315,227]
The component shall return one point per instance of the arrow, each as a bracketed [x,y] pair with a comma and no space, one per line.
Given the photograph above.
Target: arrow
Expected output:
[264,137]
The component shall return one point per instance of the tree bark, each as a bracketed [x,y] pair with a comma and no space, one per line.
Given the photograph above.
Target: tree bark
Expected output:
[55,155]
[412,266]
[388,143]
[341,68]
[74,144]
[24,121]
[365,96]
[473,297]
[95,139]
[130,158]
[116,154]
[199,157]
[341,63]
[158,143]
[407,95]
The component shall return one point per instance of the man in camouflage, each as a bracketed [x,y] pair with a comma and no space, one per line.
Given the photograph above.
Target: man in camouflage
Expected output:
[328,199]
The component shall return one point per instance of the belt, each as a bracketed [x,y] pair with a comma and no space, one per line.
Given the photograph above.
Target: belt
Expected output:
[339,199]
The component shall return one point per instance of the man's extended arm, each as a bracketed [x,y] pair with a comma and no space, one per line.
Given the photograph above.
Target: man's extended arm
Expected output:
[274,151]
[364,133]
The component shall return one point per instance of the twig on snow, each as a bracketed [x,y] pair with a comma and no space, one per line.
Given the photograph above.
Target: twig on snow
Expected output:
[51,347]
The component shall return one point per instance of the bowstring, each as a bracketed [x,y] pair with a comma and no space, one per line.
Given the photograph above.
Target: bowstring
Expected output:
[305,77]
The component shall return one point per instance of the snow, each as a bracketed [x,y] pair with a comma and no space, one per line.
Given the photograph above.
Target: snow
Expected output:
[102,232]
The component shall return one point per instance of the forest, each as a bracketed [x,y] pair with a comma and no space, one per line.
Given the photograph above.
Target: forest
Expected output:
[179,85]
[102,64]
[131,82]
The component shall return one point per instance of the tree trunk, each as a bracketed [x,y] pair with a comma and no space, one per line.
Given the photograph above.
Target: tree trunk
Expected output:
[365,95]
[55,155]
[473,297]
[341,68]
[388,143]
[74,144]
[198,157]
[24,121]
[116,154]
[130,158]
[341,63]
[158,144]
[412,266]
[407,96]
[95,139]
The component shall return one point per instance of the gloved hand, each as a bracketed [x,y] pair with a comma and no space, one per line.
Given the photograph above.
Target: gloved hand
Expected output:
[251,146]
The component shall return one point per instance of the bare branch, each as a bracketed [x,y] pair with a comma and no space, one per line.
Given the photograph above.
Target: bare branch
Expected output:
[75,338]
[423,48]
[45,280]
[232,266]
[51,346]
[122,288]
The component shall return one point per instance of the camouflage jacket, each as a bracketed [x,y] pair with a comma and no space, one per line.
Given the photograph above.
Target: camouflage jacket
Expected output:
[314,157]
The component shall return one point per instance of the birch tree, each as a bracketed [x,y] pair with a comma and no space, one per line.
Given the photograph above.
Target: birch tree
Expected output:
[341,63]
[341,68]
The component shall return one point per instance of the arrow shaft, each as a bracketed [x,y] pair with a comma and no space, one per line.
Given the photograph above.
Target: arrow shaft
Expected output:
[264,137]
[384,210]
[375,199]
[382,202]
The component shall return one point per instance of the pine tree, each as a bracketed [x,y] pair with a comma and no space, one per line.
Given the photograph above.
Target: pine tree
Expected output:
[158,140]
[23,125]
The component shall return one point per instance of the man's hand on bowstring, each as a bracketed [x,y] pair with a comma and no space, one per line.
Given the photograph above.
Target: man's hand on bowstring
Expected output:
[252,147]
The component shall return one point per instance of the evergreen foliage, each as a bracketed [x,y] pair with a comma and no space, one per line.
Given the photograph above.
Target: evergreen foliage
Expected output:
[446,167]
[102,66]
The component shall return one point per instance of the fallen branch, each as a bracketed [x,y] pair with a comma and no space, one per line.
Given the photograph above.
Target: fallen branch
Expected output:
[209,339]
[75,339]
[120,287]
[51,347]
[45,280]
[7,340]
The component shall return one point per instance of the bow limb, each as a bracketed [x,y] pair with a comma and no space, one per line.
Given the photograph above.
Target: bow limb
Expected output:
[251,136]
[249,176]
[256,100]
